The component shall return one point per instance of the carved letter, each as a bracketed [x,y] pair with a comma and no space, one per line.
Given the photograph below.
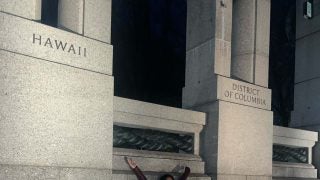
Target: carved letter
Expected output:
[58,45]
[38,39]
[234,86]
[71,48]
[48,41]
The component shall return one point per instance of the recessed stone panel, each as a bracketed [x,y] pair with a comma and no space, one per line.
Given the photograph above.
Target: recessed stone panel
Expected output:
[200,22]
[97,13]
[261,75]
[70,15]
[51,44]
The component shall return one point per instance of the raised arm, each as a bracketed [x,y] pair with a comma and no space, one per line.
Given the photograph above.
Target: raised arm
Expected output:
[135,169]
[185,174]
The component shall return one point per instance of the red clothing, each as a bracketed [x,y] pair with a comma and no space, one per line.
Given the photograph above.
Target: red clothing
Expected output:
[141,176]
[139,173]
[185,174]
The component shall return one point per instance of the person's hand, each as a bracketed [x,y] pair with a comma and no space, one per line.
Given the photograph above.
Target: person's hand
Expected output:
[131,163]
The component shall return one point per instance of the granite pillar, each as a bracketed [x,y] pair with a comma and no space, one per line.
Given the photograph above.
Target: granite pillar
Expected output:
[236,142]
[30,9]
[307,82]
[83,17]
[250,41]
[56,94]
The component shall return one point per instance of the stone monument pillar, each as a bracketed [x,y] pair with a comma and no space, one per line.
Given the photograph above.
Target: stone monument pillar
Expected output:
[56,94]
[30,9]
[250,41]
[84,17]
[237,140]
[307,81]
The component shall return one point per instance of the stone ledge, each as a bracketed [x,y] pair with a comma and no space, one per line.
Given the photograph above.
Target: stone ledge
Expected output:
[169,164]
[155,154]
[158,111]
[294,172]
[293,165]
[125,175]
[295,133]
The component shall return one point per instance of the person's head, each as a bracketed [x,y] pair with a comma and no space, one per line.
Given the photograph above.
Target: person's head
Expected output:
[167,177]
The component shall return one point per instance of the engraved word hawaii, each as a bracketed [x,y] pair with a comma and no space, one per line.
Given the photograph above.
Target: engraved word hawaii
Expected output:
[59,45]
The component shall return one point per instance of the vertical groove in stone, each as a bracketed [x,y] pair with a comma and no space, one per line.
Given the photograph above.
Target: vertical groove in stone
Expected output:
[255,41]
[83,16]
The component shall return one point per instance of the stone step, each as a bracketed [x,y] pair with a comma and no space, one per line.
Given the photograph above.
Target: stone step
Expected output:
[155,162]
[131,176]
[294,170]
[278,178]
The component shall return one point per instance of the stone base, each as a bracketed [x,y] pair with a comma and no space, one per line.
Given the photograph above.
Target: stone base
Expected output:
[238,140]
[155,164]
[127,175]
[294,170]
[240,177]
[9,172]
[316,155]
[293,179]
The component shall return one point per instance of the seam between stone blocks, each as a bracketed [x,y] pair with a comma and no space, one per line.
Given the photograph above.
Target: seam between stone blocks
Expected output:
[83,15]
[206,42]
[55,62]
[157,117]
[307,80]
[255,42]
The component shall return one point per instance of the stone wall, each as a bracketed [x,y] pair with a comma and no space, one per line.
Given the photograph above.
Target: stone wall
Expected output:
[307,82]
[57,98]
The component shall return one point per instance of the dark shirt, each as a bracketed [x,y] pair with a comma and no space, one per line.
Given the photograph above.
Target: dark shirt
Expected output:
[139,173]
[141,176]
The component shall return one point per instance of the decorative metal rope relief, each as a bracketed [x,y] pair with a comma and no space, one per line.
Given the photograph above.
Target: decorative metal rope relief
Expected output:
[290,154]
[151,140]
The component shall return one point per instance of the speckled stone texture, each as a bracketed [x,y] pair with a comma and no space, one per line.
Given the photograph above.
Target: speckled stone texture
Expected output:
[250,41]
[236,142]
[52,44]
[54,115]
[30,9]
[84,17]
[208,42]
[70,15]
[226,89]
[8,172]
